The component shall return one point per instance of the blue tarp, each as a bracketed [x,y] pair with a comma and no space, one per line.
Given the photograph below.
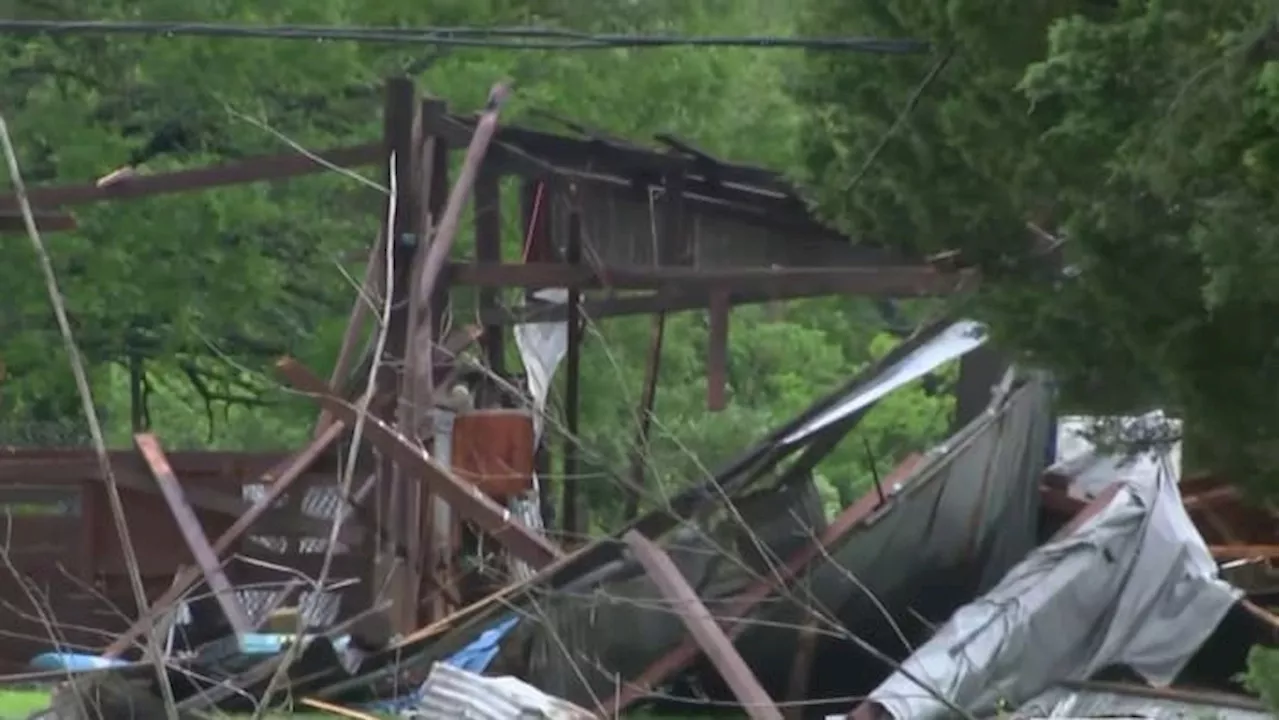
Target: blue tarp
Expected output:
[475,657]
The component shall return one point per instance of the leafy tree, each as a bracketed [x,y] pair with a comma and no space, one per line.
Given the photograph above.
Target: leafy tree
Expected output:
[1109,167]
[201,290]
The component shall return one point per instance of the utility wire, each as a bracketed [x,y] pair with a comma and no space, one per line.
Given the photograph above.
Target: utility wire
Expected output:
[516,38]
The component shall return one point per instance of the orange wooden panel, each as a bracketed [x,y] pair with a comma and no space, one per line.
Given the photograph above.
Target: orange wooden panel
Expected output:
[493,449]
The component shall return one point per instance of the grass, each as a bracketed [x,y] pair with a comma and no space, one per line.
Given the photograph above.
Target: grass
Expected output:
[18,704]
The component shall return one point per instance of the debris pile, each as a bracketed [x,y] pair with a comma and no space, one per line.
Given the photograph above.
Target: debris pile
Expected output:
[398,562]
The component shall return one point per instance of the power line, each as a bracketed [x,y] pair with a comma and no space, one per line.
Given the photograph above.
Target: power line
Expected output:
[516,38]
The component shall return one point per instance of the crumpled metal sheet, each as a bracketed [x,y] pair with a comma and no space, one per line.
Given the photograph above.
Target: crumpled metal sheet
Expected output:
[451,693]
[1134,585]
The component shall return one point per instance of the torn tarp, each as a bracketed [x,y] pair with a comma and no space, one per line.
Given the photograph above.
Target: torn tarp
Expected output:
[1134,585]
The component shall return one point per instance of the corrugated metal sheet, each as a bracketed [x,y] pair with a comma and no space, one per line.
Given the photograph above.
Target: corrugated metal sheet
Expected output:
[1113,701]
[453,693]
[318,502]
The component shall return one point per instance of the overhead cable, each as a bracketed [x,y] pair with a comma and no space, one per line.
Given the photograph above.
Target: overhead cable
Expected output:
[516,38]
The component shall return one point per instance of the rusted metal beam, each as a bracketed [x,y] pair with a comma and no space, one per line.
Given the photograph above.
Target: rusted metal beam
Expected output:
[278,481]
[462,496]
[703,627]
[257,169]
[206,559]
[903,281]
[717,351]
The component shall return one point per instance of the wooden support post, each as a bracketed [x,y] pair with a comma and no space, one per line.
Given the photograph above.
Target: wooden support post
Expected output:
[192,532]
[390,572]
[280,479]
[534,224]
[717,350]
[756,703]
[574,511]
[802,670]
[430,292]
[438,521]
[648,394]
[488,220]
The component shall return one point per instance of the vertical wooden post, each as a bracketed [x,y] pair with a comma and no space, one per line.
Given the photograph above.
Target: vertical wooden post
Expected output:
[533,221]
[574,512]
[439,522]
[488,219]
[401,134]
[647,396]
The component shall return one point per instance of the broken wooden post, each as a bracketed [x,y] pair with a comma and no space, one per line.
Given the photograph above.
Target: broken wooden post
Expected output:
[756,703]
[192,531]
[280,478]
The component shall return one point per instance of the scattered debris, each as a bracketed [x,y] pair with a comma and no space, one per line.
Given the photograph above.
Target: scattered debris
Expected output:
[441,595]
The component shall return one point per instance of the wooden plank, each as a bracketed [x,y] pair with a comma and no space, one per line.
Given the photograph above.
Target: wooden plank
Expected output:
[703,627]
[887,281]
[490,517]
[46,222]
[1244,552]
[290,471]
[402,142]
[640,446]
[255,169]
[488,236]
[192,531]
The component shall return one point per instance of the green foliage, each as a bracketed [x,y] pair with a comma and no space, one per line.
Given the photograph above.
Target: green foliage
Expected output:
[202,290]
[1141,133]
[1260,677]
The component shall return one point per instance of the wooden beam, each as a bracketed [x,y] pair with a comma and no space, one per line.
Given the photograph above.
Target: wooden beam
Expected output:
[573,510]
[11,222]
[192,532]
[278,481]
[401,142]
[901,281]
[1244,552]
[640,446]
[490,517]
[256,169]
[703,627]
[488,235]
